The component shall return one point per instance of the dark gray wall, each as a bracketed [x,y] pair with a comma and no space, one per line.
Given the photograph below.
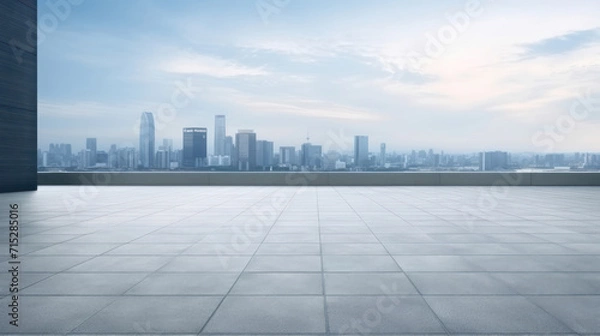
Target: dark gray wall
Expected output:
[18,95]
[495,179]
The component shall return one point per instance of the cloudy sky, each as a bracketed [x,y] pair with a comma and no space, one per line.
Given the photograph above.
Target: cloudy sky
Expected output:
[454,75]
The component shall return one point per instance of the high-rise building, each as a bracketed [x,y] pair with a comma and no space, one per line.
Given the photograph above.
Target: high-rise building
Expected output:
[245,148]
[126,158]
[220,135]
[90,159]
[489,161]
[163,158]
[168,148]
[194,147]
[264,153]
[287,155]
[229,146]
[382,154]
[312,156]
[112,157]
[168,144]
[361,151]
[147,134]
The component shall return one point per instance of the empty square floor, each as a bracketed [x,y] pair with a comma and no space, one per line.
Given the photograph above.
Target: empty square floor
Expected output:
[302,261]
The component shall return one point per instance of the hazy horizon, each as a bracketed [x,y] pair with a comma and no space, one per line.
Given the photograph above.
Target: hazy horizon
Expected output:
[458,76]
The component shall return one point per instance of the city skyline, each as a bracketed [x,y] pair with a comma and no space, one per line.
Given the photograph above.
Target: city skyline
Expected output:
[309,67]
[248,153]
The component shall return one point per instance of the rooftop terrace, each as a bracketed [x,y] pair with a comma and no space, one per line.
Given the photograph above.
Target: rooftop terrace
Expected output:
[225,260]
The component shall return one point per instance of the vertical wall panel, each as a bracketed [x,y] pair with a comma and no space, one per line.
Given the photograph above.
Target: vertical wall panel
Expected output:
[18,95]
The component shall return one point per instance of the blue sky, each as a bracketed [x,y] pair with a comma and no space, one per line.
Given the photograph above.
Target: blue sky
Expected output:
[457,75]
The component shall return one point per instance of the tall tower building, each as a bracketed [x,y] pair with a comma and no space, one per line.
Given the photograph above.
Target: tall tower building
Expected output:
[312,156]
[361,151]
[91,145]
[245,145]
[194,147]
[490,161]
[220,130]
[382,154]
[229,146]
[287,155]
[147,134]
[264,153]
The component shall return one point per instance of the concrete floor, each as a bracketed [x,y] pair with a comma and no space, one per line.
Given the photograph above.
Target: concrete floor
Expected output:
[311,261]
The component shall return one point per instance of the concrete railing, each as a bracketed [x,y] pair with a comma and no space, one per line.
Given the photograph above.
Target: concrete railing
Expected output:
[320,178]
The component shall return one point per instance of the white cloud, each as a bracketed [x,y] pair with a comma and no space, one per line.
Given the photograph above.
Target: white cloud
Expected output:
[194,63]
[288,105]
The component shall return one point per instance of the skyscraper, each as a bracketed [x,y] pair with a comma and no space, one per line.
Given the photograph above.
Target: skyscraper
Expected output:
[245,144]
[382,155]
[264,153]
[220,134]
[194,147]
[361,151]
[90,159]
[147,134]
[493,161]
[312,156]
[228,146]
[287,155]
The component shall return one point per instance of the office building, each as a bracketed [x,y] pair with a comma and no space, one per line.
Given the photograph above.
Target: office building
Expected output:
[147,134]
[194,147]
[489,161]
[361,151]
[311,156]
[264,153]
[287,155]
[229,147]
[382,155]
[126,158]
[245,148]
[220,130]
[90,158]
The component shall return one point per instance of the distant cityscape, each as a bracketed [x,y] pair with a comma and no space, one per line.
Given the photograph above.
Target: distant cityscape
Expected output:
[244,152]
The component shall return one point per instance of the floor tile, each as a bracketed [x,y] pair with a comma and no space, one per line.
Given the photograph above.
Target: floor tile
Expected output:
[145,315]
[381,314]
[223,263]
[279,284]
[184,284]
[273,314]
[493,314]
[429,283]
[580,313]
[368,283]
[333,263]
[85,284]
[263,263]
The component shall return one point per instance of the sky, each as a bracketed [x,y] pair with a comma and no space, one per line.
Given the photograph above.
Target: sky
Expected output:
[454,75]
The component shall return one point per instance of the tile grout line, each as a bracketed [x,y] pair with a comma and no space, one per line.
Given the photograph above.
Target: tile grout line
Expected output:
[147,273]
[325,308]
[447,331]
[251,257]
